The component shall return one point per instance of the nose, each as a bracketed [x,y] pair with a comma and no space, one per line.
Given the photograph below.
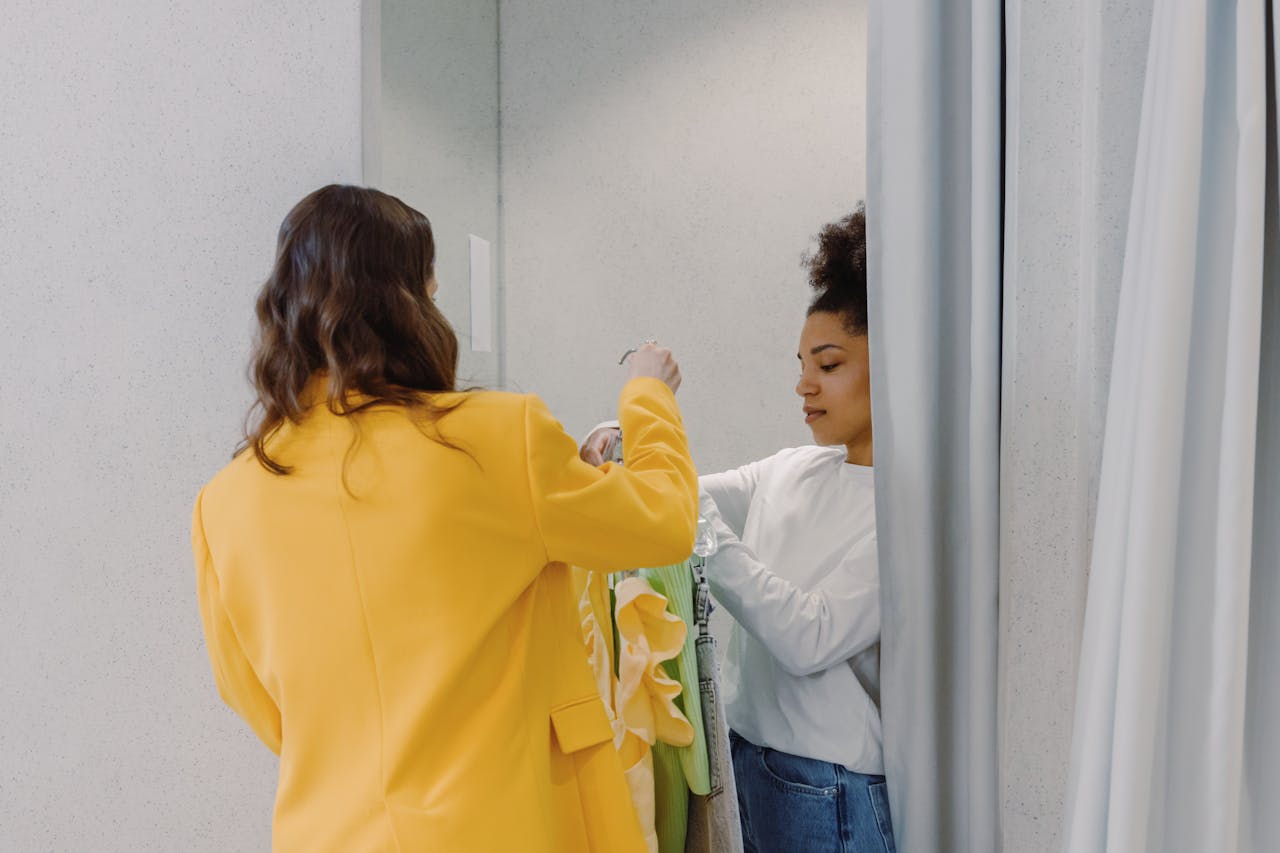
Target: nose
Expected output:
[805,386]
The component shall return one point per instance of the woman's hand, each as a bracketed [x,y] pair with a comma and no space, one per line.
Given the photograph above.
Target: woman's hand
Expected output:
[649,360]
[598,443]
[658,362]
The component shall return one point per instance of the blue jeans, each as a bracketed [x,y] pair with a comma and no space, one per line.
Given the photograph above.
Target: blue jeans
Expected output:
[791,804]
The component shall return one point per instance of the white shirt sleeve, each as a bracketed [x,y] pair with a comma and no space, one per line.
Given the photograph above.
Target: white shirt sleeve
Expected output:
[602,425]
[730,493]
[805,631]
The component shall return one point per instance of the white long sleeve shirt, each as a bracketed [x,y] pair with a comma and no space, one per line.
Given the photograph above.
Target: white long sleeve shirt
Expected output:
[797,570]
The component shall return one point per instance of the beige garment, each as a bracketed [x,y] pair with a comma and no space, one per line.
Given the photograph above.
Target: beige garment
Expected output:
[640,699]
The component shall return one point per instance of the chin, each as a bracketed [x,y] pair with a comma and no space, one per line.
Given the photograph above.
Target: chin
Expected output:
[823,440]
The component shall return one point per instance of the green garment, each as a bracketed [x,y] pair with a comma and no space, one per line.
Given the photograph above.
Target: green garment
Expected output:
[671,799]
[677,770]
[676,583]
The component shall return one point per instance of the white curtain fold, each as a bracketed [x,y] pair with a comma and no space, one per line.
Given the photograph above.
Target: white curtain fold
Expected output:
[1260,819]
[933,224]
[1169,686]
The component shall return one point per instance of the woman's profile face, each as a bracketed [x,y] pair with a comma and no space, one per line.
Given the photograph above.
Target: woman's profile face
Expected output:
[835,383]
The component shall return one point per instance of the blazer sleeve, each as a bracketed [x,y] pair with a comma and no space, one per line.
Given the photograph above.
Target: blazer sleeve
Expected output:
[237,682]
[615,517]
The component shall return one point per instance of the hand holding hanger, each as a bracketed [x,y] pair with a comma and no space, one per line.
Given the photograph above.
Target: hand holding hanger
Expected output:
[647,360]
[655,361]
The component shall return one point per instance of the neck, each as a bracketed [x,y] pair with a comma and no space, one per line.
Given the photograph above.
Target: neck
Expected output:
[859,451]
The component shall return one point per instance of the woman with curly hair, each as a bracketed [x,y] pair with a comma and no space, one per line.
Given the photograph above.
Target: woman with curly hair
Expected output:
[797,570]
[382,571]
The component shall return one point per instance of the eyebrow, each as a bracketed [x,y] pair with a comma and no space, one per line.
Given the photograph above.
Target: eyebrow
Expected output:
[820,347]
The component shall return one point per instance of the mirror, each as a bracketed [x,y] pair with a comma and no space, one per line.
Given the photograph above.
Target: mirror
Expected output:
[639,170]
[653,170]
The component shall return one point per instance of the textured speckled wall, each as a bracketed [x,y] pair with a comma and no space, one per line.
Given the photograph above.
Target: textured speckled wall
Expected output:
[1076,71]
[150,150]
[664,166]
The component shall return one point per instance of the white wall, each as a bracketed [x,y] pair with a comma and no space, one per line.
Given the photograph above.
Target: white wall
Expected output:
[664,166]
[150,151]
[1076,71]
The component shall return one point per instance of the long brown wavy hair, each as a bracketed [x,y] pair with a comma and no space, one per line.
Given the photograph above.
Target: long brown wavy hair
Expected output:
[348,296]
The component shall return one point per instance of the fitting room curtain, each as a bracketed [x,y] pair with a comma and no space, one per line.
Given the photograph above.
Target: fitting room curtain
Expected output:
[1175,743]
[934,249]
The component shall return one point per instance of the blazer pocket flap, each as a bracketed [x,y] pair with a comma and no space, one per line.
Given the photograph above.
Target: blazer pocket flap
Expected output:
[580,724]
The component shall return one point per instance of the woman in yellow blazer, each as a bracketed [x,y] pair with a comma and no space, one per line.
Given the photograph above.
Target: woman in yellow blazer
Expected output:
[382,569]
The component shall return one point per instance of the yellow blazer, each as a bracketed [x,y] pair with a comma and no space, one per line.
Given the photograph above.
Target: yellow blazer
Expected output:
[408,642]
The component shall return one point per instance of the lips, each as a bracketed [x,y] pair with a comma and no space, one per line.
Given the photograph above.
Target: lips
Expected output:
[811,415]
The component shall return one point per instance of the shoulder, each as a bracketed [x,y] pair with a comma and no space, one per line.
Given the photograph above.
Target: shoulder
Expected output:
[804,458]
[502,421]
[488,401]
[504,406]
[485,411]
[244,465]
[507,419]
[784,463]
[223,492]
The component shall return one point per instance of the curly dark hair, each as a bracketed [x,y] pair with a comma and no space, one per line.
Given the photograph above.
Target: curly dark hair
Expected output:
[348,296]
[838,270]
